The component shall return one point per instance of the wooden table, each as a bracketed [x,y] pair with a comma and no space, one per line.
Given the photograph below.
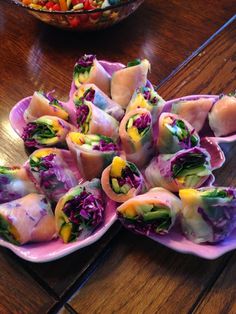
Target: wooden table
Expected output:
[192,48]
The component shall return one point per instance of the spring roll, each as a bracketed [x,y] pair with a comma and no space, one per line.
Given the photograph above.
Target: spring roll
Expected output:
[208,214]
[194,111]
[147,98]
[137,137]
[91,92]
[223,116]
[152,212]
[174,134]
[124,82]
[42,104]
[14,183]
[80,210]
[88,70]
[52,172]
[184,169]
[27,219]
[46,131]
[92,152]
[92,120]
[122,180]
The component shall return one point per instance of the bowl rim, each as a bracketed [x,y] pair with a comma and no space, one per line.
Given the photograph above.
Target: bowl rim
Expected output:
[20,4]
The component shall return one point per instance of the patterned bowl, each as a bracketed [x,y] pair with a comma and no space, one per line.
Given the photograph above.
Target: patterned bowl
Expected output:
[85,20]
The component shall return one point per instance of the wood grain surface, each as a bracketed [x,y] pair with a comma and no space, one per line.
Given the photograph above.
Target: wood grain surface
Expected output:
[141,276]
[221,296]
[35,56]
[19,293]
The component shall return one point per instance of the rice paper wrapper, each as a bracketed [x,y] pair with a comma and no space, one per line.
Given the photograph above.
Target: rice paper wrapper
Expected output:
[38,139]
[223,116]
[159,173]
[208,214]
[28,219]
[193,109]
[92,93]
[102,123]
[90,163]
[143,98]
[170,139]
[154,212]
[124,82]
[56,174]
[97,75]
[44,104]
[118,197]
[14,183]
[80,210]
[139,151]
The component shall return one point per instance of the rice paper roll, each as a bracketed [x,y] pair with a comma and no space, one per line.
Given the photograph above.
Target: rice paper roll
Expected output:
[93,153]
[91,92]
[174,134]
[137,137]
[80,211]
[147,98]
[124,82]
[46,131]
[14,183]
[122,180]
[92,120]
[154,212]
[184,169]
[208,214]
[53,171]
[27,219]
[222,118]
[88,70]
[194,111]
[42,104]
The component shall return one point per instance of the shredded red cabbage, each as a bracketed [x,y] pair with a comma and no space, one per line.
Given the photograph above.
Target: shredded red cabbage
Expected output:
[89,94]
[105,146]
[84,209]
[130,177]
[143,122]
[222,220]
[145,228]
[146,91]
[82,112]
[52,175]
[28,131]
[86,61]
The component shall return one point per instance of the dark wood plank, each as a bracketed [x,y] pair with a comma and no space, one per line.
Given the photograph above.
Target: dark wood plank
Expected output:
[219,61]
[221,297]
[19,293]
[62,275]
[140,276]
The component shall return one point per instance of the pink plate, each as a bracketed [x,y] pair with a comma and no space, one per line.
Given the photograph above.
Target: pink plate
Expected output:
[55,249]
[44,252]
[177,242]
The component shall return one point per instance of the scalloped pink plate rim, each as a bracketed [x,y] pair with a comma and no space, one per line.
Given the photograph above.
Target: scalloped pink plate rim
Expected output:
[179,243]
[55,249]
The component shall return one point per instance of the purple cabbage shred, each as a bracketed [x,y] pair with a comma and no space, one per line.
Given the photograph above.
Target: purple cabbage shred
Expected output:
[104,146]
[84,209]
[27,134]
[82,112]
[86,61]
[130,178]
[142,122]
